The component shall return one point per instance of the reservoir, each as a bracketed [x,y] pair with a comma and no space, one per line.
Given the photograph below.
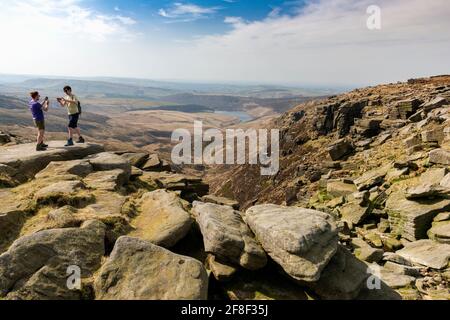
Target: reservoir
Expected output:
[244,117]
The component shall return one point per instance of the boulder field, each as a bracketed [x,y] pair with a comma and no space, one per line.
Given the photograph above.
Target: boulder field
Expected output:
[156,235]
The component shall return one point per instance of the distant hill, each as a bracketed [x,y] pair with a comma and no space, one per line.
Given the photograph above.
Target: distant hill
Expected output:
[83,88]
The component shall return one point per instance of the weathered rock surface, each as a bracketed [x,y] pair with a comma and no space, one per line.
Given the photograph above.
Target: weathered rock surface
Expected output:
[107,161]
[340,149]
[226,235]
[140,270]
[440,156]
[63,193]
[28,161]
[372,178]
[353,213]
[35,266]
[427,253]
[440,232]
[301,241]
[80,168]
[163,219]
[412,219]
[107,180]
[12,217]
[339,188]
[136,159]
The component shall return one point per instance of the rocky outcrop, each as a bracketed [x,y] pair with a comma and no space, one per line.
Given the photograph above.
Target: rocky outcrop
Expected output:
[25,159]
[226,235]
[301,241]
[140,270]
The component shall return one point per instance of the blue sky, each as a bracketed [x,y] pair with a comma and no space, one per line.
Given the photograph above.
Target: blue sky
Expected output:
[305,42]
[184,19]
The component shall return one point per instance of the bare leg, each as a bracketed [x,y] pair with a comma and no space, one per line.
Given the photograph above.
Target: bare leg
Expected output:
[70,133]
[77,130]
[40,137]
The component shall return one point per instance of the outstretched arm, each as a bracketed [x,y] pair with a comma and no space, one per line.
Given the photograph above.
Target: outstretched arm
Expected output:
[46,105]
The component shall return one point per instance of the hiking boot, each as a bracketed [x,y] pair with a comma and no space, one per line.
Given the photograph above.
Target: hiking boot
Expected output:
[40,147]
[44,145]
[80,140]
[69,143]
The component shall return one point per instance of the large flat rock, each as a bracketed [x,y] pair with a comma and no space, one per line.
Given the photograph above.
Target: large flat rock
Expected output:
[301,241]
[427,253]
[28,161]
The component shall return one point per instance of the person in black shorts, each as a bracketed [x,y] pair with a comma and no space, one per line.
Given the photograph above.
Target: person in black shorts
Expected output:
[71,102]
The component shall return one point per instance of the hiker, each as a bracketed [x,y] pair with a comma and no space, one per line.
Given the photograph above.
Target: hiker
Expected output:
[37,110]
[71,102]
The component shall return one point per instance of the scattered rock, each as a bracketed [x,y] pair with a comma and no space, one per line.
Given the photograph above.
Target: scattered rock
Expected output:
[440,156]
[412,219]
[339,188]
[353,213]
[365,252]
[339,149]
[427,253]
[372,178]
[434,104]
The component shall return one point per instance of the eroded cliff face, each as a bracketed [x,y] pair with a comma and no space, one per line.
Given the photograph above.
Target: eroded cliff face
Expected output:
[372,121]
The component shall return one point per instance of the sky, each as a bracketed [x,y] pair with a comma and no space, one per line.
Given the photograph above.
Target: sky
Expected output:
[302,42]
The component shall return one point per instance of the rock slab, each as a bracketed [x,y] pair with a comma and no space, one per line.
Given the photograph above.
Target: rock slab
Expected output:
[301,241]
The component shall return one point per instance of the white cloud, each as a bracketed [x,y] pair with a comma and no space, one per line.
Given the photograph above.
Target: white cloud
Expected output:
[326,42]
[235,21]
[186,11]
[61,17]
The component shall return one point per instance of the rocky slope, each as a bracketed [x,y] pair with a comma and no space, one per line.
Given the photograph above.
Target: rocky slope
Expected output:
[369,223]
[378,160]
